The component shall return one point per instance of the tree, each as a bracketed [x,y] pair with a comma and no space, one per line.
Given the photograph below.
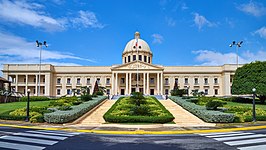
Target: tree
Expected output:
[85,90]
[251,76]
[96,88]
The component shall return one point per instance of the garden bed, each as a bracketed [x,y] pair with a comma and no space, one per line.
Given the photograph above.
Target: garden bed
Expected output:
[149,111]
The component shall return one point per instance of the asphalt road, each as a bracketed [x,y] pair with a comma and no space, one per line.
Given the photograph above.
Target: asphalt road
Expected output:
[28,139]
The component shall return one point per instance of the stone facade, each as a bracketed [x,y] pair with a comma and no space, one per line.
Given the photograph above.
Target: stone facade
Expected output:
[136,73]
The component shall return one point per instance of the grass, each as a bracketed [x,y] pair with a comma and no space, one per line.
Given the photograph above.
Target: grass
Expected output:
[4,107]
[262,106]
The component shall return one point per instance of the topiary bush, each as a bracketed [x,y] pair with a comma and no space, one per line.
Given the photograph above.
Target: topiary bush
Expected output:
[86,97]
[214,104]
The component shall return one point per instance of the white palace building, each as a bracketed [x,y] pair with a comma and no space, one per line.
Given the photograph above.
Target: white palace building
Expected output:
[136,73]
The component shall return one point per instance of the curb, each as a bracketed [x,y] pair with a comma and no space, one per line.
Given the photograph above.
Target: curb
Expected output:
[142,132]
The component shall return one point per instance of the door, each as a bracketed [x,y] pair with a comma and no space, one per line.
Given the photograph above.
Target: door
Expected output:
[152,91]
[122,91]
[133,90]
[141,90]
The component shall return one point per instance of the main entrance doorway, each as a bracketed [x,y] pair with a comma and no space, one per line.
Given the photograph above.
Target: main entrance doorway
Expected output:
[122,91]
[152,91]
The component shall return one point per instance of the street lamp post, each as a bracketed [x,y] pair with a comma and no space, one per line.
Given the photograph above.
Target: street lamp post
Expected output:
[237,46]
[254,110]
[39,44]
[28,107]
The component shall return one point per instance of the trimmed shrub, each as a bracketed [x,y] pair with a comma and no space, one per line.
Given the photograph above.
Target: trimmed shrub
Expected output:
[203,113]
[214,104]
[34,98]
[140,111]
[121,112]
[86,97]
[76,111]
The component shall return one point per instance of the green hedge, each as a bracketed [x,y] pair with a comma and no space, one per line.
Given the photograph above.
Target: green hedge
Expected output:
[203,113]
[35,98]
[76,111]
[138,119]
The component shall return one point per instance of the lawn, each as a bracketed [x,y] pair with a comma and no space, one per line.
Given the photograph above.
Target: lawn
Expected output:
[4,107]
[246,105]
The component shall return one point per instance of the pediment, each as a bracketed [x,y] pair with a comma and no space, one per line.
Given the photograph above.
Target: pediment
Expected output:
[137,65]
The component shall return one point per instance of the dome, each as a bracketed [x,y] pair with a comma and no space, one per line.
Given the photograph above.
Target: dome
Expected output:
[137,44]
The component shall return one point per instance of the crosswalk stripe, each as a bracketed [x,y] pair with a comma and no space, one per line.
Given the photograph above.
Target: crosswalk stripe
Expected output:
[20,146]
[225,135]
[62,132]
[59,134]
[242,142]
[218,133]
[239,137]
[41,136]
[29,140]
[257,147]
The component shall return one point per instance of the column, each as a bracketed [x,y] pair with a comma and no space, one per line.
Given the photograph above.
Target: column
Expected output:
[226,84]
[113,84]
[144,83]
[47,85]
[130,83]
[16,83]
[36,85]
[158,84]
[116,80]
[126,84]
[161,83]
[148,82]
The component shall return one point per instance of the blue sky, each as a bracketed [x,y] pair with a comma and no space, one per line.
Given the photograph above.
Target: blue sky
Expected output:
[95,32]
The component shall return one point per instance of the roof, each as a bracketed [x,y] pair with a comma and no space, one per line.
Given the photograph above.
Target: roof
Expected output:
[4,80]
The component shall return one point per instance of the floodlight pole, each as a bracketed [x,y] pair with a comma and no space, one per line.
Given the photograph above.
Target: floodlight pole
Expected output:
[39,44]
[237,46]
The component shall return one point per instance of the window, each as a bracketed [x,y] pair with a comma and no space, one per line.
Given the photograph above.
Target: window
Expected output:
[58,91]
[34,80]
[98,80]
[145,58]
[140,57]
[34,91]
[231,78]
[88,80]
[108,81]
[128,58]
[186,80]
[206,91]
[43,91]
[215,91]
[205,81]
[68,92]
[78,80]
[122,81]
[24,80]
[166,81]
[149,59]
[196,81]
[68,81]
[176,80]
[215,80]
[152,81]
[78,91]
[58,80]
[125,59]
[134,57]
[43,80]
[108,91]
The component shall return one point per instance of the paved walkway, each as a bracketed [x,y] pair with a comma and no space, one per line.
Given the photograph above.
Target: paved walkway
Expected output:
[182,117]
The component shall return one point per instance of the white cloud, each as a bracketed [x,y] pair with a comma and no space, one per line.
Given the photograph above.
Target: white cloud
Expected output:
[184,6]
[30,14]
[212,58]
[14,49]
[170,21]
[253,8]
[86,19]
[201,21]
[157,38]
[261,32]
